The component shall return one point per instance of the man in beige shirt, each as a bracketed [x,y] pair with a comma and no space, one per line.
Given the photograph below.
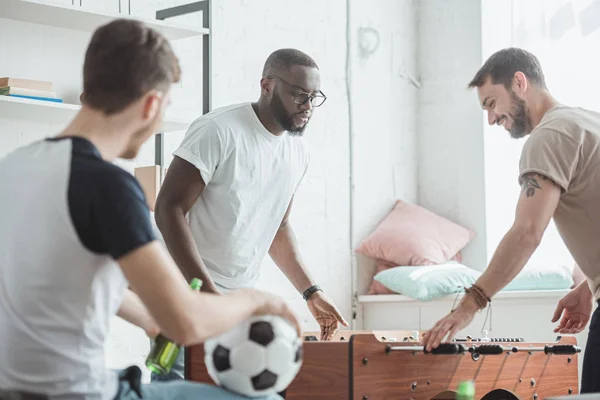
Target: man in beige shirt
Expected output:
[559,173]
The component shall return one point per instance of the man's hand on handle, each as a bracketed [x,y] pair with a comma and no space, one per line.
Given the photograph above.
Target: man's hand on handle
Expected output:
[450,324]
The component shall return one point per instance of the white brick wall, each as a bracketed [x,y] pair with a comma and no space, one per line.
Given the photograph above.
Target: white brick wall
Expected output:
[245,33]
[384,117]
[451,163]
[383,50]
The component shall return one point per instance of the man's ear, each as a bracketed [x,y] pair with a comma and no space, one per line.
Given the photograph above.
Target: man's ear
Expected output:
[266,86]
[152,104]
[520,83]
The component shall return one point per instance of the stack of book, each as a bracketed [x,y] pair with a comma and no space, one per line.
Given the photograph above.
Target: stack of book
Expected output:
[28,89]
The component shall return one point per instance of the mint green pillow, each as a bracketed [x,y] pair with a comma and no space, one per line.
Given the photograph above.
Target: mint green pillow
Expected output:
[542,277]
[428,282]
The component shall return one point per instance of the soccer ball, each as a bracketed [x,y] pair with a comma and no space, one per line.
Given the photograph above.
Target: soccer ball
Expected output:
[258,357]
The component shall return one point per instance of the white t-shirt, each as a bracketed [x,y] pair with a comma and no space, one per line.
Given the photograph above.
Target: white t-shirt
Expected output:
[250,176]
[68,216]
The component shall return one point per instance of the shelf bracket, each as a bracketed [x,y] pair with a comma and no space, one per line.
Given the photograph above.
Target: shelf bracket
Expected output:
[203,6]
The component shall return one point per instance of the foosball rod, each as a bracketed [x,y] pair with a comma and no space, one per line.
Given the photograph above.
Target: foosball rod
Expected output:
[455,348]
[558,349]
[444,348]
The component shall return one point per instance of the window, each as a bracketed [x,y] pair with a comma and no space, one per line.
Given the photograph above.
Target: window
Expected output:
[562,34]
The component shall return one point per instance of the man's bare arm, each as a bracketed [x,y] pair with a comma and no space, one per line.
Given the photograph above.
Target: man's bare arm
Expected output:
[181,188]
[537,203]
[133,311]
[284,252]
[186,316]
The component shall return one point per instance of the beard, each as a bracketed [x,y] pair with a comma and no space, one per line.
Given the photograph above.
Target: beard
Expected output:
[521,125]
[285,119]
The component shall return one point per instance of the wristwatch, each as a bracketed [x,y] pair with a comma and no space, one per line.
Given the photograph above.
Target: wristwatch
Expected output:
[309,292]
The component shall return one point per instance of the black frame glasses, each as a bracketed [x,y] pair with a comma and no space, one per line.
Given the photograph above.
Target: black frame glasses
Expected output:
[301,97]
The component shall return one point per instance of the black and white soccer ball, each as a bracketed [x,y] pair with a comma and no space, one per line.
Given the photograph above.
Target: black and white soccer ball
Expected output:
[258,357]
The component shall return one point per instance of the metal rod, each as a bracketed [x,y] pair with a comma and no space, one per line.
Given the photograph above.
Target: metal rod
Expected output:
[181,10]
[159,150]
[529,349]
[206,57]
[406,348]
[444,348]
[205,7]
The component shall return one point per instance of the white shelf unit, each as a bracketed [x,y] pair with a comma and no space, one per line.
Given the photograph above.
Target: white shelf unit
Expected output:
[77,18]
[60,113]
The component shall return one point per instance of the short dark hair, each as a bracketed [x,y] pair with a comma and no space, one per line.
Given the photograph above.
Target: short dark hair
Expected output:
[502,66]
[284,58]
[124,60]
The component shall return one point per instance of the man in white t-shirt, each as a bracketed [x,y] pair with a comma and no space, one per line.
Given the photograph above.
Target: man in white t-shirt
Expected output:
[234,176]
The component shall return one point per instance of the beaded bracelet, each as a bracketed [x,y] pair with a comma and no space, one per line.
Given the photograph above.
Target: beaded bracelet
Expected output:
[480,298]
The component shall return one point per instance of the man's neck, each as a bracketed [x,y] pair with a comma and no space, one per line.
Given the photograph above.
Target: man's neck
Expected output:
[543,103]
[264,114]
[107,134]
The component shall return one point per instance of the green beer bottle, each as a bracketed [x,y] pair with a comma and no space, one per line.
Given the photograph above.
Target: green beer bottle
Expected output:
[466,391]
[164,352]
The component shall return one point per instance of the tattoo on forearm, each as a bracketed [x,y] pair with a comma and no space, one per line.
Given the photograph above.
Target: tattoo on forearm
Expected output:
[530,183]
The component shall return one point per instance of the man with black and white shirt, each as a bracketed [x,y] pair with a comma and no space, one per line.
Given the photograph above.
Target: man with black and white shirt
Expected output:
[75,232]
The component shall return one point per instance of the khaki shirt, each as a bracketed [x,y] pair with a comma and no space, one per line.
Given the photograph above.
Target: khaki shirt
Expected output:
[565,147]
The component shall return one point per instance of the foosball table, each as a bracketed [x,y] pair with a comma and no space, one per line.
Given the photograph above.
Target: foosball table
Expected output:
[369,365]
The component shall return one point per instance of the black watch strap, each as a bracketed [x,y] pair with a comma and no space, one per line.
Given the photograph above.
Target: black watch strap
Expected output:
[309,292]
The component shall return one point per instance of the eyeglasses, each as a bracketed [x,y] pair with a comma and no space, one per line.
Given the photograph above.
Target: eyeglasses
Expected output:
[300,97]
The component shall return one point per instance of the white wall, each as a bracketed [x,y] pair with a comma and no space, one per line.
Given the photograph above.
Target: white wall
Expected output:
[381,139]
[383,115]
[383,87]
[451,178]
[408,66]
[320,216]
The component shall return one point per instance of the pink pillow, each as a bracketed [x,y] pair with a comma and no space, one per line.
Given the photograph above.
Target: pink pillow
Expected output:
[377,287]
[410,235]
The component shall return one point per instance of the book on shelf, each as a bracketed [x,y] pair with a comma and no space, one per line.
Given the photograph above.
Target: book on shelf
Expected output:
[26,83]
[52,99]
[28,89]
[27,92]
[33,84]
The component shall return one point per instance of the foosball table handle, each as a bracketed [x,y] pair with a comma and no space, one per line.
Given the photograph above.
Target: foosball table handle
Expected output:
[443,348]
[562,349]
[447,348]
[487,349]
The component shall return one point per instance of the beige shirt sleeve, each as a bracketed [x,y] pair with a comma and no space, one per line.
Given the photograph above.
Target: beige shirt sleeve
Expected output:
[551,153]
